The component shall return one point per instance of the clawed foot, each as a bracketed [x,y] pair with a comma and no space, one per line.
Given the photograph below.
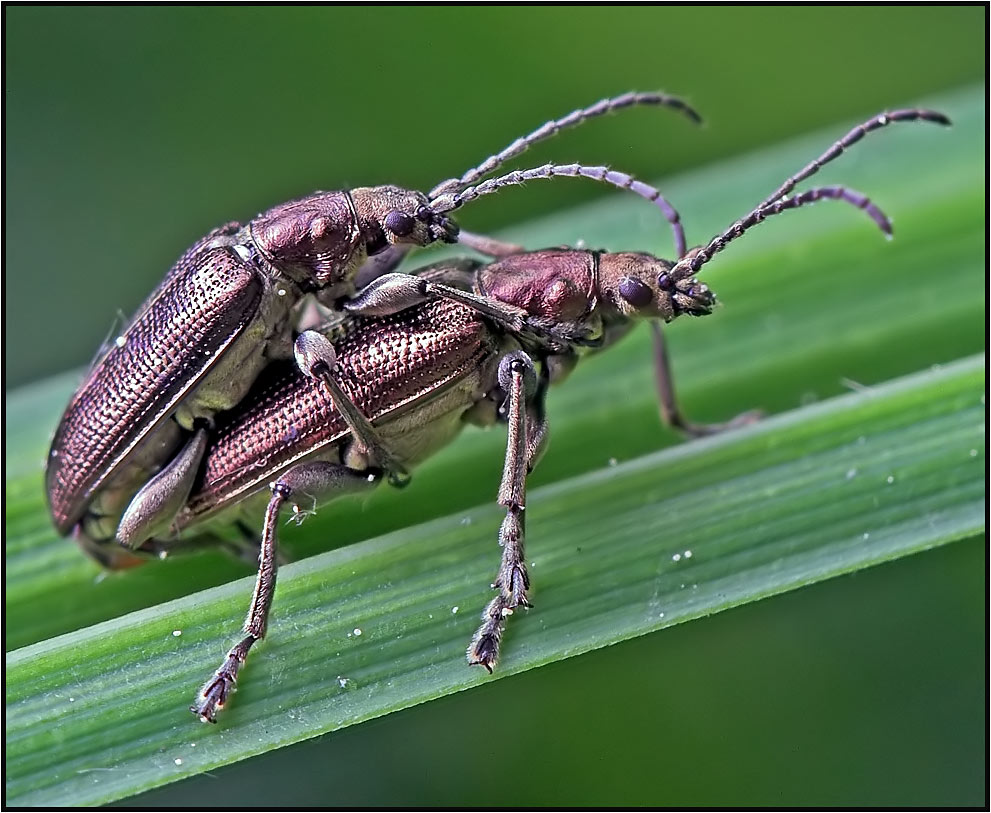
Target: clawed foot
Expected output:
[700,430]
[484,647]
[214,694]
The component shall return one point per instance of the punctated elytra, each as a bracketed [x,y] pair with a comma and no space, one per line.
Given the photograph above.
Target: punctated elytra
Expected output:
[463,343]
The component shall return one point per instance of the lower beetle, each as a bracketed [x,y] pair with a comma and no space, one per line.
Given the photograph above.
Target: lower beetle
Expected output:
[459,343]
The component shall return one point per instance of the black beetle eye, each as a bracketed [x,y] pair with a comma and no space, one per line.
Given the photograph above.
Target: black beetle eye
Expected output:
[664,281]
[399,223]
[635,292]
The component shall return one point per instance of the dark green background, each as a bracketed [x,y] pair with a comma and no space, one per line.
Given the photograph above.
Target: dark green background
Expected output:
[132,131]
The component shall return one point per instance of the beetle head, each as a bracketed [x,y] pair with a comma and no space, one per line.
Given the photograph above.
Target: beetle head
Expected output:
[641,285]
[390,215]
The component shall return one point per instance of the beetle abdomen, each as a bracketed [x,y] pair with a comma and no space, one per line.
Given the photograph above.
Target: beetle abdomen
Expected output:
[162,356]
[385,365]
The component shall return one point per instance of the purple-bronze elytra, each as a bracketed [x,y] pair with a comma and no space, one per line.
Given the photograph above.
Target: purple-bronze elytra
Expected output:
[461,342]
[130,443]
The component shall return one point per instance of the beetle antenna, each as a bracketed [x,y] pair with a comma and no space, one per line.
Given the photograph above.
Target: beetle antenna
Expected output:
[553,127]
[687,266]
[851,138]
[449,201]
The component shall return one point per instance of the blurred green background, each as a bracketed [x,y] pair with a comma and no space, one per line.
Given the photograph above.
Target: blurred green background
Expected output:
[132,131]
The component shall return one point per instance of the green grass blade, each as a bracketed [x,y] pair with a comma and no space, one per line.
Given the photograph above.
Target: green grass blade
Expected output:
[100,714]
[812,300]
[815,302]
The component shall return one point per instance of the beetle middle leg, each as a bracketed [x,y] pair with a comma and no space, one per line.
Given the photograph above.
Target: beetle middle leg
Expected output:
[240,542]
[527,431]
[312,480]
[668,403]
[316,357]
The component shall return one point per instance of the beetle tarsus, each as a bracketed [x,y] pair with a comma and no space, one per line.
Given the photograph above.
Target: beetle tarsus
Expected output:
[214,694]
[484,647]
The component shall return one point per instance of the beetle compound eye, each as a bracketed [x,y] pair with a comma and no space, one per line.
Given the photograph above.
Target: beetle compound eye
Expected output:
[399,223]
[635,292]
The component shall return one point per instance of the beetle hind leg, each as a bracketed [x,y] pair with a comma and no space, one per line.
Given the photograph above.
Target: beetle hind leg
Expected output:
[310,480]
[527,433]
[316,358]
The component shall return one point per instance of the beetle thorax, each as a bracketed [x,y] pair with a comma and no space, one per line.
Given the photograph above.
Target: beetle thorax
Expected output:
[316,241]
[553,284]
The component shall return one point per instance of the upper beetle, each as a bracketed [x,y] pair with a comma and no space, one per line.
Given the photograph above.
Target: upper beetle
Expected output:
[127,449]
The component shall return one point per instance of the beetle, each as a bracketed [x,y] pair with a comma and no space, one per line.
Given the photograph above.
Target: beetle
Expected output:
[459,343]
[130,442]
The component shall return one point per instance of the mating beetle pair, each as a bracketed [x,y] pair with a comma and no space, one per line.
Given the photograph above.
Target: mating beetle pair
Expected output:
[458,343]
[225,311]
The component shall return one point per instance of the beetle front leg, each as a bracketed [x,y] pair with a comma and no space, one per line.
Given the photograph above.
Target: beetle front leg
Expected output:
[384,262]
[526,433]
[313,480]
[488,246]
[668,403]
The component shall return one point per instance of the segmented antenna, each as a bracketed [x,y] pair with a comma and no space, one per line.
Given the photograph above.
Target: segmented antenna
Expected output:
[449,201]
[553,127]
[851,138]
[690,265]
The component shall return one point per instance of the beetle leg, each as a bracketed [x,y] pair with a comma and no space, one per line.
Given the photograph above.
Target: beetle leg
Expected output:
[392,293]
[488,246]
[153,508]
[313,315]
[668,403]
[558,335]
[104,551]
[382,263]
[323,480]
[241,543]
[526,434]
[316,357]
[110,555]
